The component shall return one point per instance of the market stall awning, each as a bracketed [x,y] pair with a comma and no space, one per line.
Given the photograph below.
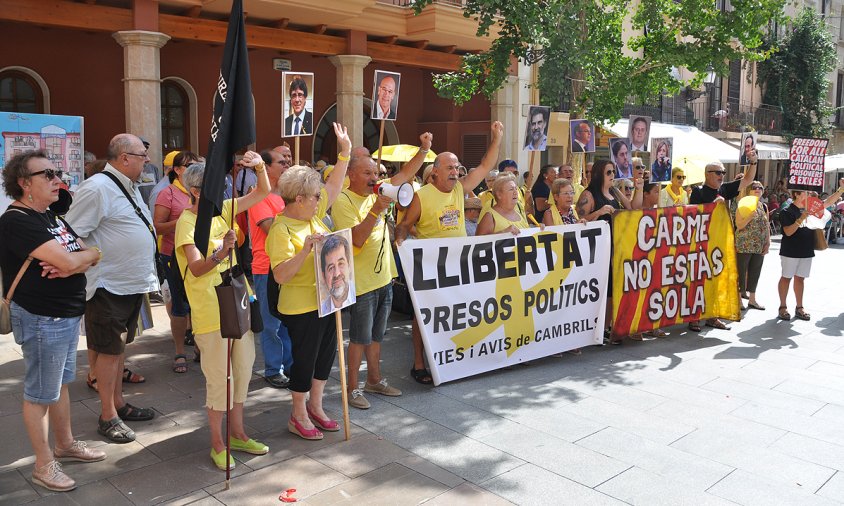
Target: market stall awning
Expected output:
[767,150]
[688,141]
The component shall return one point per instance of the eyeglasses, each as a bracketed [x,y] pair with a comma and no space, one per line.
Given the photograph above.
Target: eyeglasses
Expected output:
[570,194]
[141,155]
[719,172]
[297,94]
[680,177]
[382,174]
[48,173]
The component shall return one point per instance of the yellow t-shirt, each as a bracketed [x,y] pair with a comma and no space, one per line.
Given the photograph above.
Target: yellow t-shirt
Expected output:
[442,213]
[204,310]
[285,239]
[374,263]
[502,223]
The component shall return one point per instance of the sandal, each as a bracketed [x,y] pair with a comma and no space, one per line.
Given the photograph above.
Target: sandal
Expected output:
[715,323]
[92,384]
[422,376]
[129,413]
[694,326]
[800,313]
[754,305]
[130,377]
[115,430]
[180,367]
[783,313]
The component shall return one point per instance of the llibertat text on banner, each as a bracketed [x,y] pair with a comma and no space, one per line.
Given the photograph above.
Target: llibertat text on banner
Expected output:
[673,265]
[488,302]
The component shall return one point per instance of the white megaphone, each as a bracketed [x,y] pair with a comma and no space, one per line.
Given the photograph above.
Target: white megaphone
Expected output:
[403,194]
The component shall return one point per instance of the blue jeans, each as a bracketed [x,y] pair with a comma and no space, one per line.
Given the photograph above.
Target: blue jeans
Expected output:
[275,341]
[49,353]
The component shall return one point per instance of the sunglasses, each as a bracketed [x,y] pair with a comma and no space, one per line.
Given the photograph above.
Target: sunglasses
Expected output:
[610,172]
[680,177]
[756,188]
[382,174]
[48,173]
[719,172]
[628,188]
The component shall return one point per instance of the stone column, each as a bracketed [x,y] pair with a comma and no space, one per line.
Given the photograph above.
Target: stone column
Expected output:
[506,107]
[350,93]
[142,85]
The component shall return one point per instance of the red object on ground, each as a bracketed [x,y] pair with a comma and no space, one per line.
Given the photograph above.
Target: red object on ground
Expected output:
[287,495]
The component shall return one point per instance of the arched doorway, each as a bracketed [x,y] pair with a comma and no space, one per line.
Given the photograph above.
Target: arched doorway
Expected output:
[325,142]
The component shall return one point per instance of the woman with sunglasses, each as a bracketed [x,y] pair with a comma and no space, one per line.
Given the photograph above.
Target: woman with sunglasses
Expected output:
[674,194]
[599,201]
[753,238]
[46,307]
[290,246]
[202,271]
[169,205]
[797,249]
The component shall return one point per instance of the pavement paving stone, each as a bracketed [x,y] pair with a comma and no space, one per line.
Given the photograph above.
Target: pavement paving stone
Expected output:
[554,420]
[834,488]
[95,493]
[638,422]
[196,498]
[15,489]
[769,397]
[388,485]
[638,486]
[470,459]
[263,486]
[817,428]
[467,494]
[728,425]
[827,368]
[748,489]
[165,480]
[360,455]
[811,450]
[529,485]
[832,412]
[566,459]
[432,471]
[758,460]
[696,472]
[812,391]
[693,395]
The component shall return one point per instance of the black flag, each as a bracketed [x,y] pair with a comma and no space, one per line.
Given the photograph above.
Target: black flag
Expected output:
[232,126]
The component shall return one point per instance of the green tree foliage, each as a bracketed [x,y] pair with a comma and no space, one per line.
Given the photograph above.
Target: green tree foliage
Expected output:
[582,54]
[795,77]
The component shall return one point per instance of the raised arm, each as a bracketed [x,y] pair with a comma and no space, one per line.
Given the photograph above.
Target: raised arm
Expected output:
[749,171]
[409,169]
[832,199]
[334,185]
[253,159]
[475,177]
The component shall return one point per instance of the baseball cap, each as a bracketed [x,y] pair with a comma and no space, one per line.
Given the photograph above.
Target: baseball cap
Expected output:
[168,160]
[507,163]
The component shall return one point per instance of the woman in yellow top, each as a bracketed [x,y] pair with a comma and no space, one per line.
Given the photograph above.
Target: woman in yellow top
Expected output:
[674,194]
[505,214]
[290,246]
[561,211]
[201,272]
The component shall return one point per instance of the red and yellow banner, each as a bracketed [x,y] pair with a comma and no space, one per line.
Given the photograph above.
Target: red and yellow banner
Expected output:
[673,265]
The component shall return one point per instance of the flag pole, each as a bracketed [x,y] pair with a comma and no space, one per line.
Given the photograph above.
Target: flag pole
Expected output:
[296,150]
[340,357]
[229,345]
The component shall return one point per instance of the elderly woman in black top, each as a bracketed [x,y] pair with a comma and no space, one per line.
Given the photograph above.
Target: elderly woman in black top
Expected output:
[46,308]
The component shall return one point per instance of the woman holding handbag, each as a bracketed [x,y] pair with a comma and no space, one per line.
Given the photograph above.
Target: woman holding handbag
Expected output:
[202,273]
[797,250]
[43,275]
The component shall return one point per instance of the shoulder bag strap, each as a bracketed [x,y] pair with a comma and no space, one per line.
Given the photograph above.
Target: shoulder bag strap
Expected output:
[11,291]
[135,207]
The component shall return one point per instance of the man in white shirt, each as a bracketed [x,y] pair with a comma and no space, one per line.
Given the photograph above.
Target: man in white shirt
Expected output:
[103,216]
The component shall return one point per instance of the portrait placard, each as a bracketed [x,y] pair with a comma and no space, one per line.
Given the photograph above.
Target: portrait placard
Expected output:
[297,104]
[335,272]
[385,95]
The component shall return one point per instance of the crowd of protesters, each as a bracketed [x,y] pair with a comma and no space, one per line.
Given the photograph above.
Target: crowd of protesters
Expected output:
[73,261]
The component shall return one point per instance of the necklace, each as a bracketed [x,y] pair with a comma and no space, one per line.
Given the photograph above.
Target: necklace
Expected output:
[45,216]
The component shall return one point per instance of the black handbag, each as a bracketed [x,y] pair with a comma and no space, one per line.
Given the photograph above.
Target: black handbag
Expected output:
[256,321]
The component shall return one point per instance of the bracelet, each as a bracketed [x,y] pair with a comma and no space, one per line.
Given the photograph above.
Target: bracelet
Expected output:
[215,259]
[261,167]
[100,253]
[421,150]
[341,158]
[374,215]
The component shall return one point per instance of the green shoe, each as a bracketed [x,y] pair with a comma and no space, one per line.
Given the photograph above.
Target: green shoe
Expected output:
[220,460]
[251,446]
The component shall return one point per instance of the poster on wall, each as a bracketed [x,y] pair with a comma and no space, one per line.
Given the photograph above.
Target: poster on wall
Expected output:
[60,136]
[298,104]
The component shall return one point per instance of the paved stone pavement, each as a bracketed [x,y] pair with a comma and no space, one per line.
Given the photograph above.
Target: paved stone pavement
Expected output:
[750,416]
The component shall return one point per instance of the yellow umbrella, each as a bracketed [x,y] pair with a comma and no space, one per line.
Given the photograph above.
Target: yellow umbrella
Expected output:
[401,153]
[693,167]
